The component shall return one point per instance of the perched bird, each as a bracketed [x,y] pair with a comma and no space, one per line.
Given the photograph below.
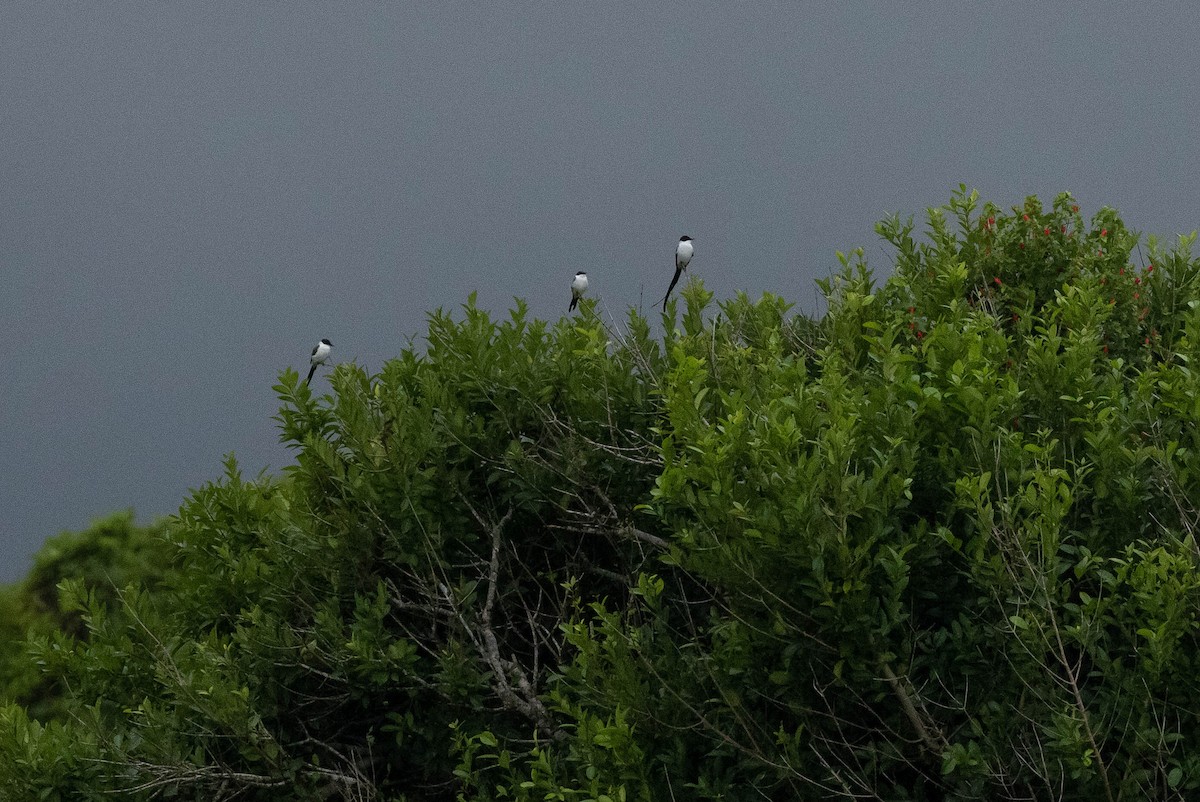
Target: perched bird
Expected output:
[320,355]
[578,288]
[683,255]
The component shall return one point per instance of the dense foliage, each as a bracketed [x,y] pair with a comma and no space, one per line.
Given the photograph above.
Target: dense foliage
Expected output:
[939,544]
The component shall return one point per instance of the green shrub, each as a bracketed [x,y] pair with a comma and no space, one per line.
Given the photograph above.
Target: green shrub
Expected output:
[939,544]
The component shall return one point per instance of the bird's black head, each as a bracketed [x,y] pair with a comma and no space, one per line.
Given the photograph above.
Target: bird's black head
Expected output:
[685,238]
[580,273]
[326,342]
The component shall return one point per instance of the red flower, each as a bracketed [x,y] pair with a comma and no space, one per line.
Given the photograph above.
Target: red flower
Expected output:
[1047,231]
[1121,272]
[1104,232]
[1150,269]
[1137,280]
[920,334]
[998,281]
[1025,217]
[1075,209]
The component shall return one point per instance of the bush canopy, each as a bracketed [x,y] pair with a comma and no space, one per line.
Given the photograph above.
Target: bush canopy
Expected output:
[940,543]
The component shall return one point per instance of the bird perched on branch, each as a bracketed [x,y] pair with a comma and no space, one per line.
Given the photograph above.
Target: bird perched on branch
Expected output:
[683,255]
[578,288]
[320,355]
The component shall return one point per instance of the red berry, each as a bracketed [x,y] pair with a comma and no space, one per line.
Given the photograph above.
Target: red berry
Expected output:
[998,281]
[1025,217]
[1104,232]
[1047,231]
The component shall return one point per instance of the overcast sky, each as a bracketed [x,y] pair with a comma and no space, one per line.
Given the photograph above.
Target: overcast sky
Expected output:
[192,194]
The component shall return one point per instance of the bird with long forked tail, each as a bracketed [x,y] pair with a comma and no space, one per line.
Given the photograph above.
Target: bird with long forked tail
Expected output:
[683,255]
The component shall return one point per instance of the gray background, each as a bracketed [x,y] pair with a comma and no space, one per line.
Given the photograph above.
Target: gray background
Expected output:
[192,194]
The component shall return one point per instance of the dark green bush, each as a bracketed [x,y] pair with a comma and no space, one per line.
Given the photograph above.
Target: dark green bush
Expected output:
[939,544]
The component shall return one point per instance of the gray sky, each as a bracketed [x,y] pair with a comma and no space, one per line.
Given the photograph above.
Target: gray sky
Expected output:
[191,195]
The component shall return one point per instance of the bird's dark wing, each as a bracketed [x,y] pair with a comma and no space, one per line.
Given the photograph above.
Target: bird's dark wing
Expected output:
[314,350]
[674,281]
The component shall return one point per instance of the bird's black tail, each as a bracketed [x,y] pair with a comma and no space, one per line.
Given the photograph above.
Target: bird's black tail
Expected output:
[574,301]
[311,371]
[674,281]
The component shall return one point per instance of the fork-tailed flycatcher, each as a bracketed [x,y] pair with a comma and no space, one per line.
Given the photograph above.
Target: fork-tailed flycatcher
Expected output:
[578,288]
[683,255]
[320,355]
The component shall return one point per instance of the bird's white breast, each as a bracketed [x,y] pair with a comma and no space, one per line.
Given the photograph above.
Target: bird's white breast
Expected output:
[683,254]
[579,284]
